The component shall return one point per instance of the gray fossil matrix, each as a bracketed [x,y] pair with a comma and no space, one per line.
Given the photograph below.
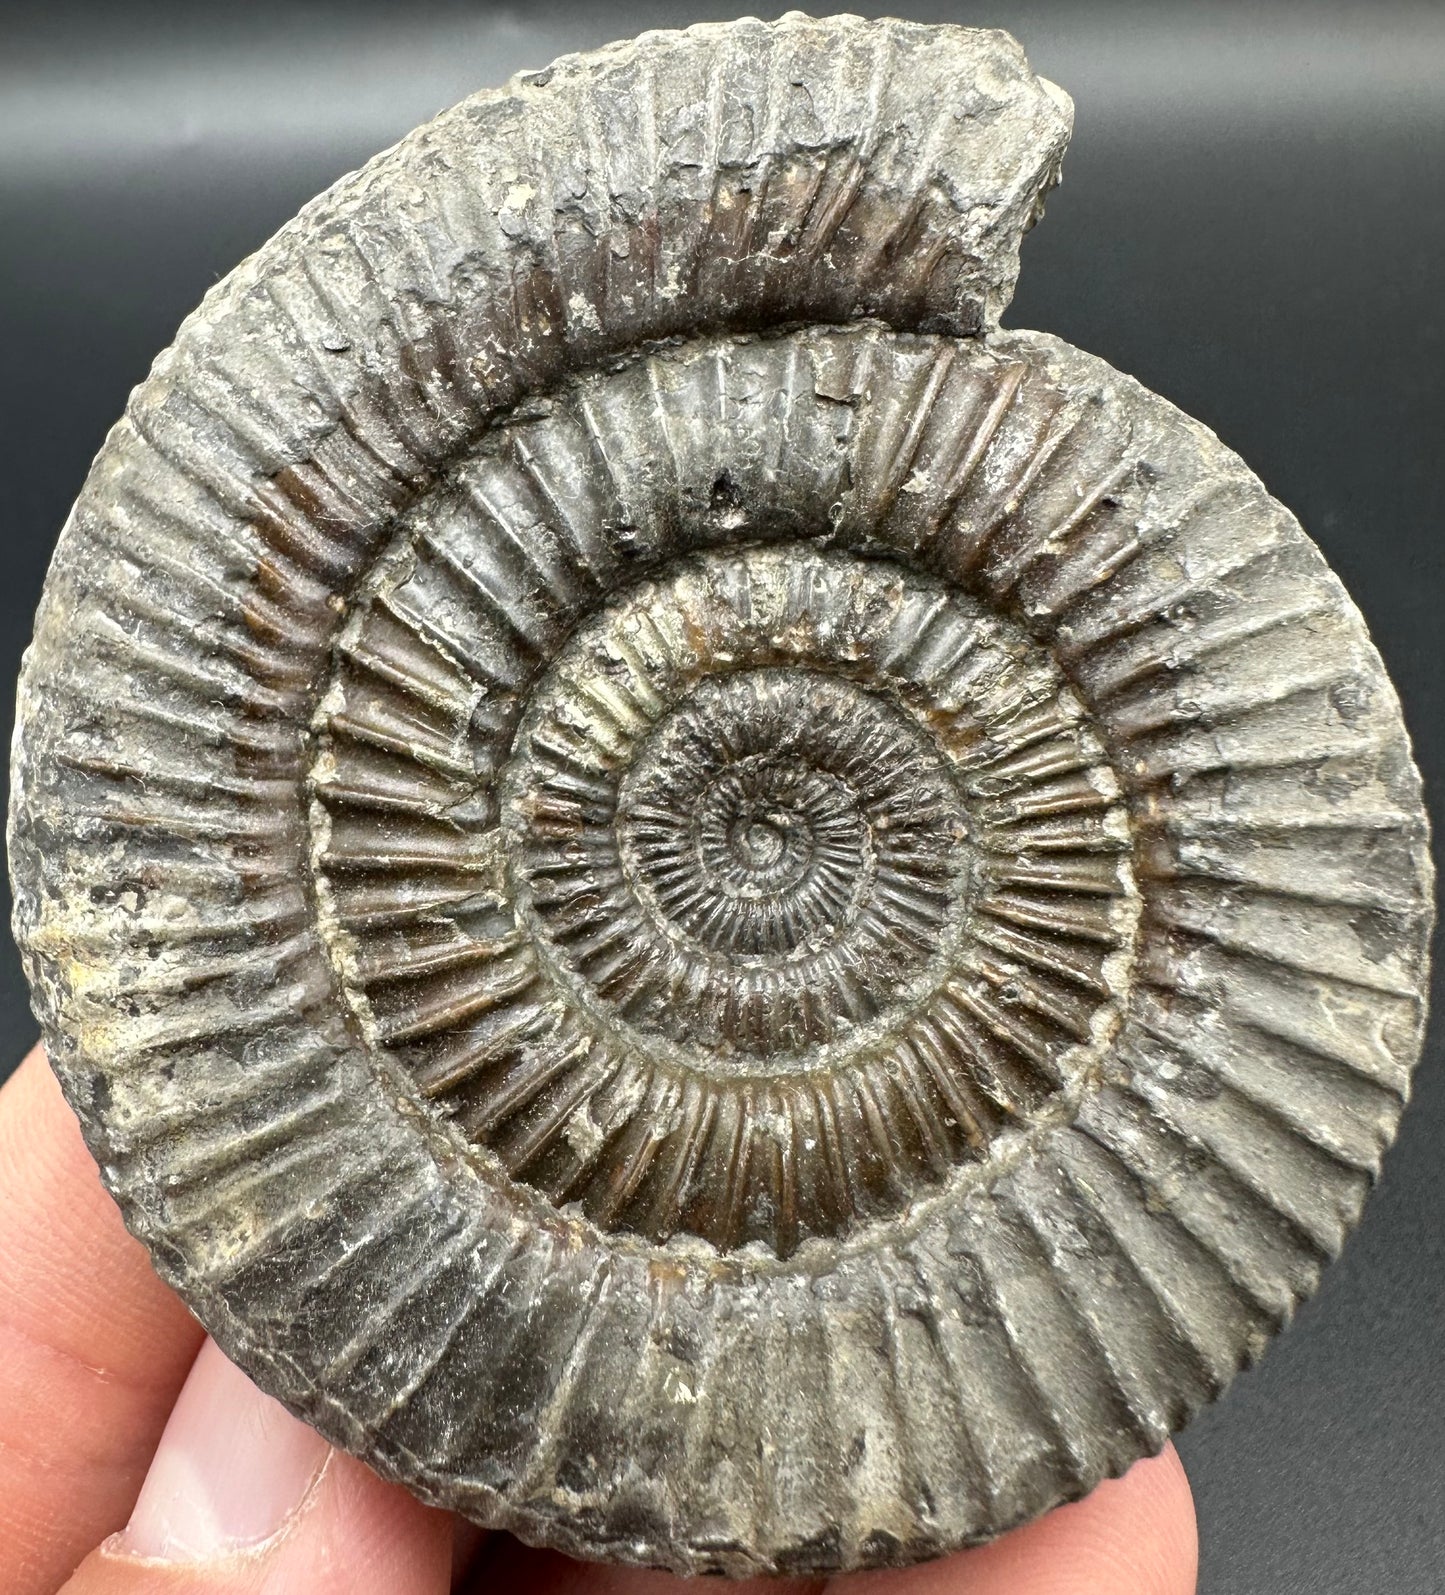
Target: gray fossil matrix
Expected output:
[718,914]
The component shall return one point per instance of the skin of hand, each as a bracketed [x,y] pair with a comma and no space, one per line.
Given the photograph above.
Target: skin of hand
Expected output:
[135,1460]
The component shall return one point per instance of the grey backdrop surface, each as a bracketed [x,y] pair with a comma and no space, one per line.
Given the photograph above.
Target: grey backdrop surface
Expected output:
[1252,222]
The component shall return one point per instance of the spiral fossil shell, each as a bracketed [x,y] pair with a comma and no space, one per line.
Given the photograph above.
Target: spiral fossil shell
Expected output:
[721,915]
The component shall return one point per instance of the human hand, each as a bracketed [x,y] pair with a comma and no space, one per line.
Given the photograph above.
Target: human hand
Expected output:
[135,1460]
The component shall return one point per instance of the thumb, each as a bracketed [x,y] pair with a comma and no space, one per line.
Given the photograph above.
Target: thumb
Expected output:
[243,1499]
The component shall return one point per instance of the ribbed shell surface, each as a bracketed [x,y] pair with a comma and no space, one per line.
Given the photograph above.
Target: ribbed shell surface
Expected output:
[717,913]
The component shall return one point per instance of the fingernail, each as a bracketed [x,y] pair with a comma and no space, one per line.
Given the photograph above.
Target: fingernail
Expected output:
[232,1467]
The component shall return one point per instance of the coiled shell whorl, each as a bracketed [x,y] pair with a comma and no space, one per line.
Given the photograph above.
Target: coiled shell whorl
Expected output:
[719,914]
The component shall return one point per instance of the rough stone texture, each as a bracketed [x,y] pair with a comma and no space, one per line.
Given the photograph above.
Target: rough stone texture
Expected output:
[720,915]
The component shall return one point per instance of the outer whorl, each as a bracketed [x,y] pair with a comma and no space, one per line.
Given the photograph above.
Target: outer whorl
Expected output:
[720,915]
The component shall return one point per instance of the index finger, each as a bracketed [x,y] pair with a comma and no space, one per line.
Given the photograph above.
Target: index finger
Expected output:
[93,1347]
[1131,1536]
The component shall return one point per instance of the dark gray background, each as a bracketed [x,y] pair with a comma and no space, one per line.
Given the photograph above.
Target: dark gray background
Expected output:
[1252,222]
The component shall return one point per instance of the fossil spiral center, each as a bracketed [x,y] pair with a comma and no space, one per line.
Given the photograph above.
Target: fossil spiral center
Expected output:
[783,884]
[759,859]
[774,855]
[759,815]
[759,840]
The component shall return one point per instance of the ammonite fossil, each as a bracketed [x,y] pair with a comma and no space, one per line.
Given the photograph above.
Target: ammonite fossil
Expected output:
[719,914]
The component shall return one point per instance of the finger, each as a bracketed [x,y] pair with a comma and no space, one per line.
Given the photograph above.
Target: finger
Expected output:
[244,1499]
[510,1566]
[467,1542]
[93,1348]
[1132,1536]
